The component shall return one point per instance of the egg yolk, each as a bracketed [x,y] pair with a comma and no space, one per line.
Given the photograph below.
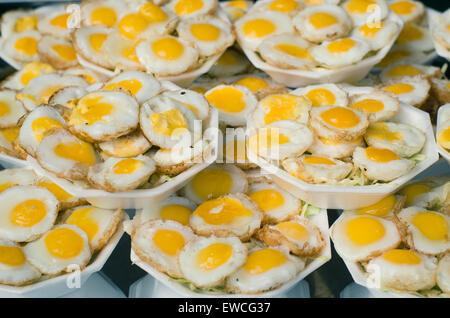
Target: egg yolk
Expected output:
[59,192]
[402,257]
[66,52]
[90,110]
[380,208]
[170,242]
[152,13]
[413,190]
[443,137]
[267,138]
[267,199]
[60,21]
[365,230]
[88,77]
[258,28]
[6,185]
[447,28]
[404,70]
[283,5]
[238,4]
[252,83]
[11,255]
[185,7]
[198,89]
[228,99]
[34,69]
[222,211]
[96,41]
[369,105]
[214,256]
[432,225]
[104,16]
[176,212]
[403,7]
[228,58]
[361,6]
[212,183]
[381,131]
[399,88]
[263,260]
[236,151]
[132,25]
[64,243]
[129,52]
[293,50]
[127,166]
[409,33]
[26,23]
[293,230]
[43,124]
[10,134]
[280,107]
[76,151]
[26,45]
[341,46]
[340,117]
[125,148]
[82,218]
[370,29]
[393,57]
[168,48]
[205,32]
[314,160]
[4,109]
[132,85]
[170,123]
[313,2]
[381,155]
[321,97]
[322,20]
[28,213]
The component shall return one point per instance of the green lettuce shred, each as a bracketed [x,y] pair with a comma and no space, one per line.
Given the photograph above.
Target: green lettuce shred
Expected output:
[190,286]
[309,210]
[418,157]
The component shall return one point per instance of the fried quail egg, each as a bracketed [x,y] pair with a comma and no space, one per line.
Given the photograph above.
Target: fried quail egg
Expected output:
[437,199]
[104,13]
[281,107]
[159,243]
[99,224]
[280,139]
[192,100]
[167,55]
[229,215]
[385,208]
[441,31]
[59,53]
[405,140]
[340,52]
[322,23]
[66,200]
[7,140]
[29,71]
[260,85]
[334,149]
[253,28]
[104,115]
[27,212]
[408,10]
[317,169]
[129,145]
[359,237]
[215,181]
[339,123]
[13,177]
[443,135]
[207,261]
[290,7]
[287,51]
[22,47]
[265,269]
[121,174]
[402,70]
[377,34]
[426,231]
[11,109]
[121,52]
[233,14]
[141,85]
[17,21]
[87,74]
[415,38]
[319,2]
[362,11]
[231,62]
[67,97]
[65,155]
[404,270]
[323,95]
[397,55]
[59,250]
[56,22]
[192,8]
[238,4]
[276,204]
[415,191]
[378,105]
[14,268]
[233,102]
[90,44]
[381,163]
[211,35]
[409,90]
[443,274]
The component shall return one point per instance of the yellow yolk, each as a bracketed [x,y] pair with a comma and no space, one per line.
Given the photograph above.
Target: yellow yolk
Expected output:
[6,185]
[380,208]
[369,105]
[403,7]
[200,90]
[364,230]
[432,225]
[447,28]
[168,48]
[393,57]
[132,85]
[409,33]
[176,212]
[413,190]
[280,107]
[263,260]
[185,7]
[258,28]
[443,137]
[28,213]
[212,183]
[88,77]
[66,52]
[64,243]
[370,29]
[127,166]
[169,242]
[399,88]
[293,50]
[4,109]
[228,58]
[152,13]
[322,20]
[60,21]
[267,199]
[82,219]
[26,23]
[90,110]
[228,99]
[125,148]
[10,134]
[402,257]
[340,117]
[293,230]
[132,25]
[43,124]
[96,40]
[169,123]
[34,69]
[267,138]
[341,46]
[129,52]
[76,151]
[252,83]
[222,211]
[321,97]
[11,255]
[404,70]
[59,192]
[314,160]
[236,150]
[214,256]
[47,92]
[361,6]
[205,31]
[283,5]
[238,4]
[381,155]
[313,2]
[26,45]
[104,16]
[381,131]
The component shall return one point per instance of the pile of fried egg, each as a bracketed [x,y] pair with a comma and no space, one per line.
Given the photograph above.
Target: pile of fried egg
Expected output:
[441,30]
[44,231]
[443,129]
[403,241]
[227,231]
[292,34]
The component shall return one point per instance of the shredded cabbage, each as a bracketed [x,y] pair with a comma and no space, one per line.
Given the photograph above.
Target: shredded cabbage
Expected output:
[190,286]
[309,210]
